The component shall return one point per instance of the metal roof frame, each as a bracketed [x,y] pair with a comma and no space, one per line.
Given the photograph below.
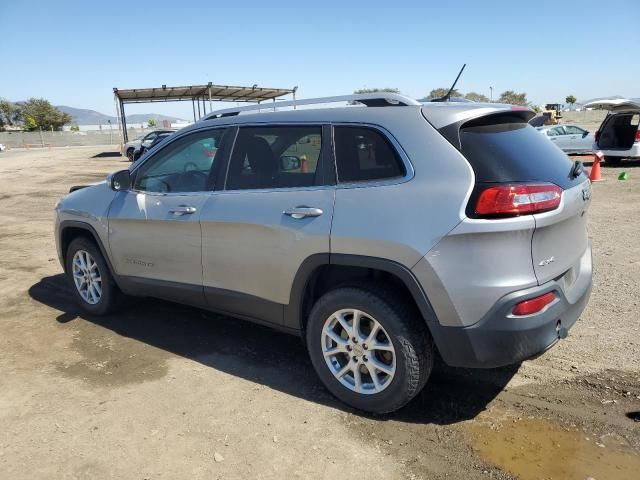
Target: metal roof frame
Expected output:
[197,94]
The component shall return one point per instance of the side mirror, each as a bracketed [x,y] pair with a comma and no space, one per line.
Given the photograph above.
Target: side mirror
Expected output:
[120,181]
[289,162]
[585,134]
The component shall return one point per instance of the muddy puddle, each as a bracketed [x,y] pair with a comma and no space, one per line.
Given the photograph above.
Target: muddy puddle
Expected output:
[535,449]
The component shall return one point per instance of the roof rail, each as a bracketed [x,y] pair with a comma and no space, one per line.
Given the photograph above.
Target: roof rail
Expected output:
[376,99]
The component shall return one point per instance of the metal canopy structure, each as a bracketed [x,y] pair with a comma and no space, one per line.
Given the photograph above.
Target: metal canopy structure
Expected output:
[199,95]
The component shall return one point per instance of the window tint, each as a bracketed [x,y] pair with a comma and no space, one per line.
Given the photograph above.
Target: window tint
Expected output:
[183,166]
[275,157]
[365,154]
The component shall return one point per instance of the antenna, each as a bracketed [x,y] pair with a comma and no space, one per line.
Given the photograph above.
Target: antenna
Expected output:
[448,95]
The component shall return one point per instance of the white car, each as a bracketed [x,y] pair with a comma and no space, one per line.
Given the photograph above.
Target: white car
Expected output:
[132,145]
[619,136]
[2,148]
[569,138]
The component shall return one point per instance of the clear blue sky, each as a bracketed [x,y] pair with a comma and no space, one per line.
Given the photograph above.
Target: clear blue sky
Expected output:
[74,52]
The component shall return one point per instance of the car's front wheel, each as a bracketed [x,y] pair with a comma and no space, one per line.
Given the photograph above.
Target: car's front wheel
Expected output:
[130,154]
[369,348]
[91,280]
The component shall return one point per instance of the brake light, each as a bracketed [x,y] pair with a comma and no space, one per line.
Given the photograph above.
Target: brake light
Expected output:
[637,135]
[533,305]
[518,199]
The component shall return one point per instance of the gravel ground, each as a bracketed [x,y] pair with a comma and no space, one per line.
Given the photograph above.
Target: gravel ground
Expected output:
[165,391]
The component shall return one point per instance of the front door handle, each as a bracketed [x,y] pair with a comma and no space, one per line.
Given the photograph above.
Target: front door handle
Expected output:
[302,212]
[183,210]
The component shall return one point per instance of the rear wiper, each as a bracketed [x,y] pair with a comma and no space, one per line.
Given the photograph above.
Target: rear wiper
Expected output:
[576,169]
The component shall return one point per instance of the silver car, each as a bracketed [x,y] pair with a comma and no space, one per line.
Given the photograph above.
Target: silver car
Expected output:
[130,147]
[384,235]
[571,139]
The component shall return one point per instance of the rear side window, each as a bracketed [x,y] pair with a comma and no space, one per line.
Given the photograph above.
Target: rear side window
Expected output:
[275,157]
[364,154]
[514,152]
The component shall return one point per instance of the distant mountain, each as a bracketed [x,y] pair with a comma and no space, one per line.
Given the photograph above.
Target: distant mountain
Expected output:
[83,116]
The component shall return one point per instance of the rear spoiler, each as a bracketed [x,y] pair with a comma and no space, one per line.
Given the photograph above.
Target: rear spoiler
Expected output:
[486,115]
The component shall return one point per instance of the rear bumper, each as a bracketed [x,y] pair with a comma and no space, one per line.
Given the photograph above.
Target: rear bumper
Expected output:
[500,339]
[633,152]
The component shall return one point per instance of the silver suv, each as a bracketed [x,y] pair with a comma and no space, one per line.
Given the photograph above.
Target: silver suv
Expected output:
[383,233]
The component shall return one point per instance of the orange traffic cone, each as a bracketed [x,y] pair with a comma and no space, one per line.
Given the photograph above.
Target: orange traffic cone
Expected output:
[304,166]
[595,175]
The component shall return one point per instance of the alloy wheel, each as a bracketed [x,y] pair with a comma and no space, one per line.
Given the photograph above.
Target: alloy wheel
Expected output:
[358,351]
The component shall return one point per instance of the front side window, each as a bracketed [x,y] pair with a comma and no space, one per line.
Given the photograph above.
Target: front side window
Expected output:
[554,132]
[573,130]
[364,154]
[275,157]
[187,165]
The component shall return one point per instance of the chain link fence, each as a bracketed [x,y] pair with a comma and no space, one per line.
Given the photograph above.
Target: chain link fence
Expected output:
[49,139]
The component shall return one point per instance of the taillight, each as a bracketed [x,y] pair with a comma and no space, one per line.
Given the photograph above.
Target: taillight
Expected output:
[512,200]
[597,135]
[637,135]
[533,305]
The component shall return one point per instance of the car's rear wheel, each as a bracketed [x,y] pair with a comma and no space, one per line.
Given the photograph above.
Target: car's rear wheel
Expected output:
[369,348]
[91,280]
[612,160]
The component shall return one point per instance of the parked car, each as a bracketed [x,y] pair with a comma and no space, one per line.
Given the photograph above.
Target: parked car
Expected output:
[141,149]
[569,138]
[2,147]
[383,235]
[619,136]
[145,140]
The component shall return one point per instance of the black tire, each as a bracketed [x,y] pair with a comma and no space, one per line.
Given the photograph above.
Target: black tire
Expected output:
[411,340]
[130,154]
[111,295]
[612,160]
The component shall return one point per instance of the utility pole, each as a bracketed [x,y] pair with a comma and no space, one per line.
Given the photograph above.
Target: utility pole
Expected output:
[491,89]
[110,132]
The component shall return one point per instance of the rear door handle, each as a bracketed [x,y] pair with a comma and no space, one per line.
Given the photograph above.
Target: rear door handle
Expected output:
[183,210]
[302,212]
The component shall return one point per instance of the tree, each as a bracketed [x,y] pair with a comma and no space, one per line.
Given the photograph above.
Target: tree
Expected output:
[75,128]
[151,122]
[45,115]
[10,113]
[441,92]
[476,97]
[570,99]
[513,98]
[373,90]
[30,123]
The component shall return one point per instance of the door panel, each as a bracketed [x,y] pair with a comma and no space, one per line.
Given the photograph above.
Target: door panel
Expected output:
[250,246]
[150,237]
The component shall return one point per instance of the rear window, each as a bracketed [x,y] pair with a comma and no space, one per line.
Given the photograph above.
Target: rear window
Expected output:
[515,152]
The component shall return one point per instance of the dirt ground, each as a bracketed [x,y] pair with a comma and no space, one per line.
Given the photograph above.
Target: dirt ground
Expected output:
[165,391]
